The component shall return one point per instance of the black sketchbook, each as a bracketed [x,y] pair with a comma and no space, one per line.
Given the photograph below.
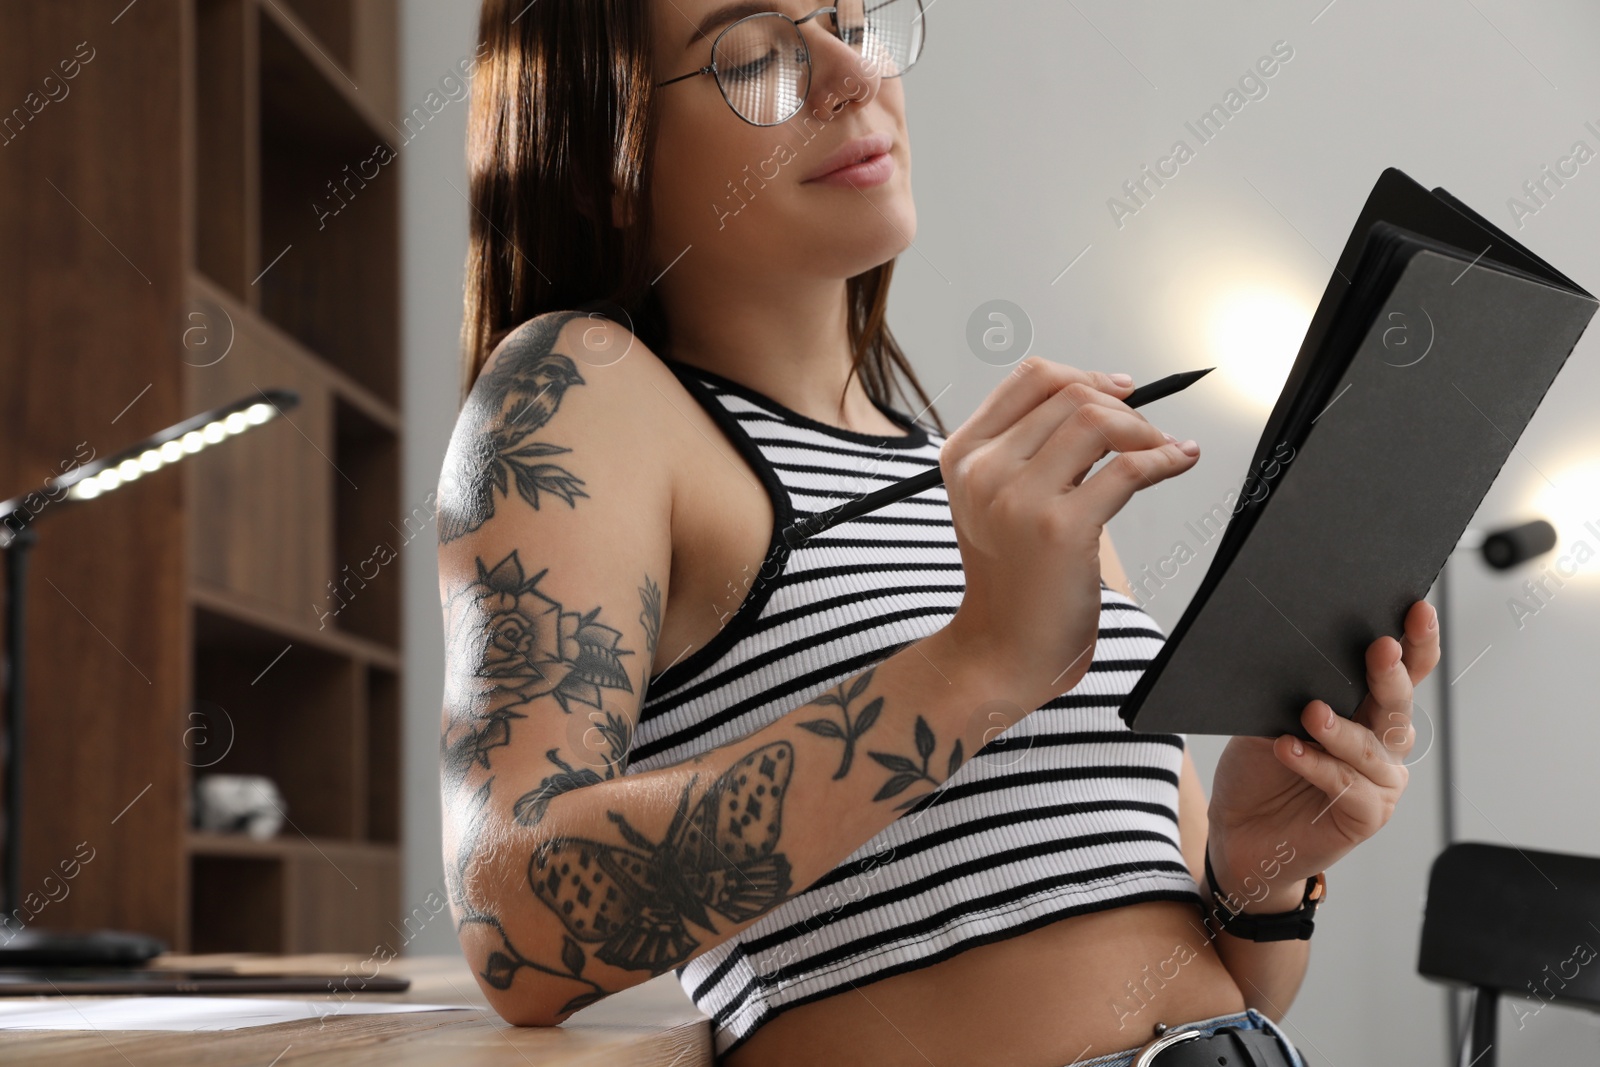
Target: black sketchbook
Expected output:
[1433,345]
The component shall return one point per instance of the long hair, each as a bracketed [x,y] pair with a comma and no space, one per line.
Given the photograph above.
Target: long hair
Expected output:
[563,107]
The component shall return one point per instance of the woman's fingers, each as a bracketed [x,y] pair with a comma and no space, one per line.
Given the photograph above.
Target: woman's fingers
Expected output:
[1361,762]
[1034,429]
[1104,492]
[1387,710]
[1358,745]
[1393,670]
[1350,768]
[1085,436]
[1420,640]
[1032,382]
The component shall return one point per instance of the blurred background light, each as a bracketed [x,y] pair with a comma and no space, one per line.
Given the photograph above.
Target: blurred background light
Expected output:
[1253,335]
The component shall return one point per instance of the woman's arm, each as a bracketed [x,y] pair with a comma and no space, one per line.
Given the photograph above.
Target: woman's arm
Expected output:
[624,878]
[1269,973]
[570,879]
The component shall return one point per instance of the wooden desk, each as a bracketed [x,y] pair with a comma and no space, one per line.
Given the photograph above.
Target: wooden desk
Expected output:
[654,1024]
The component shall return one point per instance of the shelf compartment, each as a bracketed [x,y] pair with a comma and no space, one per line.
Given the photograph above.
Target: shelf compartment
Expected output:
[357,40]
[343,899]
[291,894]
[289,712]
[226,156]
[223,603]
[261,501]
[383,756]
[329,216]
[365,595]
[330,22]
[236,904]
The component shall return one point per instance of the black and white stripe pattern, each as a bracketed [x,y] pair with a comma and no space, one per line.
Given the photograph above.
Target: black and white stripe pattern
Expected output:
[1066,812]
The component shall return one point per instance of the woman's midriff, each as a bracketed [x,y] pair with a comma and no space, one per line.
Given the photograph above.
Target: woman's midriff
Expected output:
[1072,990]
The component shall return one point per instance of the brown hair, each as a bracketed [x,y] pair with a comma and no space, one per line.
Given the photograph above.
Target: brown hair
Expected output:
[562,107]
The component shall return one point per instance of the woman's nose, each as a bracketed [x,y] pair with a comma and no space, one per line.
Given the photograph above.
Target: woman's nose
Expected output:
[838,70]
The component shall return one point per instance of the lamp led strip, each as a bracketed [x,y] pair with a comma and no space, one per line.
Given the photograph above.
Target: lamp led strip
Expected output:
[165,448]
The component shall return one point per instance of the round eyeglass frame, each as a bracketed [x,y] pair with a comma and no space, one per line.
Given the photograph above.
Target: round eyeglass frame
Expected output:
[833,12]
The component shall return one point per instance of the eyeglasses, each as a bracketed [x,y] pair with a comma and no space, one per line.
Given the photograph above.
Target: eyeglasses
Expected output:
[763,67]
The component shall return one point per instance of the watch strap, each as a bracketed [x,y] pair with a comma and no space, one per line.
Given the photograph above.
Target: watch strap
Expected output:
[1277,926]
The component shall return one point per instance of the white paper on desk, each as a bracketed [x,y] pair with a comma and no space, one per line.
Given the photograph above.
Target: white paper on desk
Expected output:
[188,1014]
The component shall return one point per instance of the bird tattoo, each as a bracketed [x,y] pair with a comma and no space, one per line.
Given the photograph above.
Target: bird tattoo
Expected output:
[494,447]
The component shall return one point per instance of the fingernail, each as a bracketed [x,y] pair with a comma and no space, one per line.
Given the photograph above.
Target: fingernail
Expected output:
[1329,724]
[1171,440]
[1433,617]
[1122,379]
[1190,448]
[1297,747]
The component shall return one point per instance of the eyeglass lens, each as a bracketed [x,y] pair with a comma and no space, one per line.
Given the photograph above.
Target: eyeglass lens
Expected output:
[761,61]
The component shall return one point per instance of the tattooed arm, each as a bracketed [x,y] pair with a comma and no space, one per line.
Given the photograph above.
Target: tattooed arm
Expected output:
[569,878]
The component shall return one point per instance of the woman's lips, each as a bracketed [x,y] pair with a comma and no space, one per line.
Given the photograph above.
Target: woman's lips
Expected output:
[870,172]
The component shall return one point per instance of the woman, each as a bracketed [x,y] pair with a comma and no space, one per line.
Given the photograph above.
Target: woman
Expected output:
[868,796]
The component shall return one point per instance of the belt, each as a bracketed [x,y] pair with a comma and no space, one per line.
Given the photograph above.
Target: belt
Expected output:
[1226,1044]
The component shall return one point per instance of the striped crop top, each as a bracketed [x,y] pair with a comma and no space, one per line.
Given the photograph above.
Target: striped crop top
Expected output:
[1066,812]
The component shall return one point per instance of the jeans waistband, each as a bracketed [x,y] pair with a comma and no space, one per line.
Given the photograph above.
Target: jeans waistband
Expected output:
[1249,1019]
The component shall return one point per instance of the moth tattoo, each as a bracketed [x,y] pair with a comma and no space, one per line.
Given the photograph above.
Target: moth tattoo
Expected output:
[721,858]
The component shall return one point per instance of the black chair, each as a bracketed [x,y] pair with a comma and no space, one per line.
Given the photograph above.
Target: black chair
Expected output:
[1507,920]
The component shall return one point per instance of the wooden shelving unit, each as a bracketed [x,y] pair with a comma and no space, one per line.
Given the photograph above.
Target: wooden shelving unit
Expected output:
[255,589]
[295,587]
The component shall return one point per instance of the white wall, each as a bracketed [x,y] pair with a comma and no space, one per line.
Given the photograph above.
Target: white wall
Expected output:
[435,38]
[1026,118]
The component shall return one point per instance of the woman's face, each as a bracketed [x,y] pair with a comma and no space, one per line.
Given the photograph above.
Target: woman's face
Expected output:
[741,194]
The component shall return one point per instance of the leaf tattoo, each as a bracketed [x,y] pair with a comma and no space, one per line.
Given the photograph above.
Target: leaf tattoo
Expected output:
[907,772]
[530,807]
[850,731]
[502,965]
[650,619]
[493,449]
[471,747]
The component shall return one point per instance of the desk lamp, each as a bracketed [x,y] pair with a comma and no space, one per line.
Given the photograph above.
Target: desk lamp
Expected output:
[23,947]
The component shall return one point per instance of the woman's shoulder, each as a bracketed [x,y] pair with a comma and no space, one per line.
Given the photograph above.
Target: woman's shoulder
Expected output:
[573,340]
[566,384]
[567,408]
[622,378]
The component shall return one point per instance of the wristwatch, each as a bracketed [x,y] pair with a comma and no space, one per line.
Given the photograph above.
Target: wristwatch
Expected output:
[1278,926]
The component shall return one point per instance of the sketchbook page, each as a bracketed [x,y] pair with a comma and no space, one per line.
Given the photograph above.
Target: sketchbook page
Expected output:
[1398,199]
[1354,535]
[1393,187]
[188,1014]
[1507,247]
[1382,264]
[1379,269]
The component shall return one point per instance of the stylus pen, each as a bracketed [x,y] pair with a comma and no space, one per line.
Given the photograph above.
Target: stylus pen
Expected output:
[850,509]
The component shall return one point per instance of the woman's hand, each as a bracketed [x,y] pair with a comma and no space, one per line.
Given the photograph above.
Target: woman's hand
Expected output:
[1277,818]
